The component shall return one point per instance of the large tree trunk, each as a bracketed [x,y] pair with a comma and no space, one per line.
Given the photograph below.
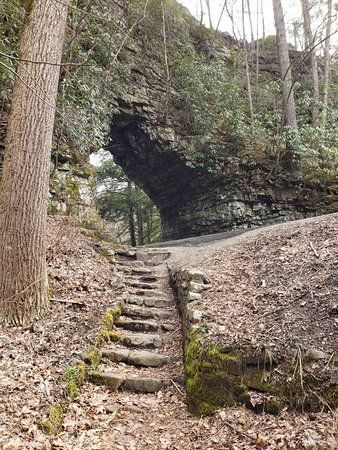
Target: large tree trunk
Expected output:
[327,62]
[309,42]
[25,177]
[291,161]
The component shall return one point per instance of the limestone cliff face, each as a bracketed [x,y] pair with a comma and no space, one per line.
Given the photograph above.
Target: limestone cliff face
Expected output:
[193,201]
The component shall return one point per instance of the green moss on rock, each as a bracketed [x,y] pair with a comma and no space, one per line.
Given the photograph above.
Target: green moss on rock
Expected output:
[111,336]
[111,315]
[93,356]
[210,384]
[216,378]
[72,389]
[53,425]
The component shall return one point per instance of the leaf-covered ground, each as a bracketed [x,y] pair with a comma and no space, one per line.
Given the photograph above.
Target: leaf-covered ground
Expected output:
[32,362]
[278,287]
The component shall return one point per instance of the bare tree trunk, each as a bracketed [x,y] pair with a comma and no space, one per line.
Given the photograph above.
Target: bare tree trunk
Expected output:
[209,13]
[140,232]
[247,69]
[25,178]
[295,35]
[231,16]
[309,42]
[131,216]
[263,21]
[202,12]
[250,21]
[291,160]
[257,45]
[327,62]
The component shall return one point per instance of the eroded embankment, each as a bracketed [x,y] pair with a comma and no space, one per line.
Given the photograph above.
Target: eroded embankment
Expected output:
[259,319]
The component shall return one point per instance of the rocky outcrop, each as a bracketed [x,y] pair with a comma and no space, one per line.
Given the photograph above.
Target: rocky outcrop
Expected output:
[196,200]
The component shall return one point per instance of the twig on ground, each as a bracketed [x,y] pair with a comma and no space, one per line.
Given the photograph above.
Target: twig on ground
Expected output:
[177,387]
[314,250]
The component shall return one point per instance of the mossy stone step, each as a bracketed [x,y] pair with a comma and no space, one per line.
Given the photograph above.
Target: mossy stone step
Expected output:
[116,380]
[142,358]
[151,302]
[146,312]
[137,325]
[142,340]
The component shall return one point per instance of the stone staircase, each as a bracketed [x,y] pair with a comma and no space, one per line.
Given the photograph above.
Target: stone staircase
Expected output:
[147,356]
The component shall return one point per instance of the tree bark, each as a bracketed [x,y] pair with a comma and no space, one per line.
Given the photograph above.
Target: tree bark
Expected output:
[131,217]
[25,177]
[263,21]
[309,42]
[247,68]
[291,160]
[202,12]
[140,231]
[209,13]
[250,21]
[327,62]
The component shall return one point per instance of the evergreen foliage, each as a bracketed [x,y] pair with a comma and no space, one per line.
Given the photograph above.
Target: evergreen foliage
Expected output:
[120,201]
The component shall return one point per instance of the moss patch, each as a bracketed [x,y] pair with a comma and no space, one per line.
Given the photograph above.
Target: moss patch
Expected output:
[93,357]
[210,384]
[74,377]
[53,424]
[215,378]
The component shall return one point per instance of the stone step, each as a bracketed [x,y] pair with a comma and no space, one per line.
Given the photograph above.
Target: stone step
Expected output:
[151,302]
[146,313]
[141,358]
[153,256]
[149,293]
[129,264]
[141,285]
[149,278]
[142,340]
[124,253]
[141,271]
[136,271]
[137,325]
[116,380]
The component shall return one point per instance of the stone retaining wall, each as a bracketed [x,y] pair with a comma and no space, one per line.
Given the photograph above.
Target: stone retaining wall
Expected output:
[219,375]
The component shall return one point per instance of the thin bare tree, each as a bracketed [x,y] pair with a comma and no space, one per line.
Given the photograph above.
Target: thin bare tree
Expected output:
[247,68]
[209,13]
[25,177]
[310,42]
[291,161]
[327,62]
[263,20]
[202,12]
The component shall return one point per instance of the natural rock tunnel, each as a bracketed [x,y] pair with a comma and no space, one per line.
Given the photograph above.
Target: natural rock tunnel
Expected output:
[194,201]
